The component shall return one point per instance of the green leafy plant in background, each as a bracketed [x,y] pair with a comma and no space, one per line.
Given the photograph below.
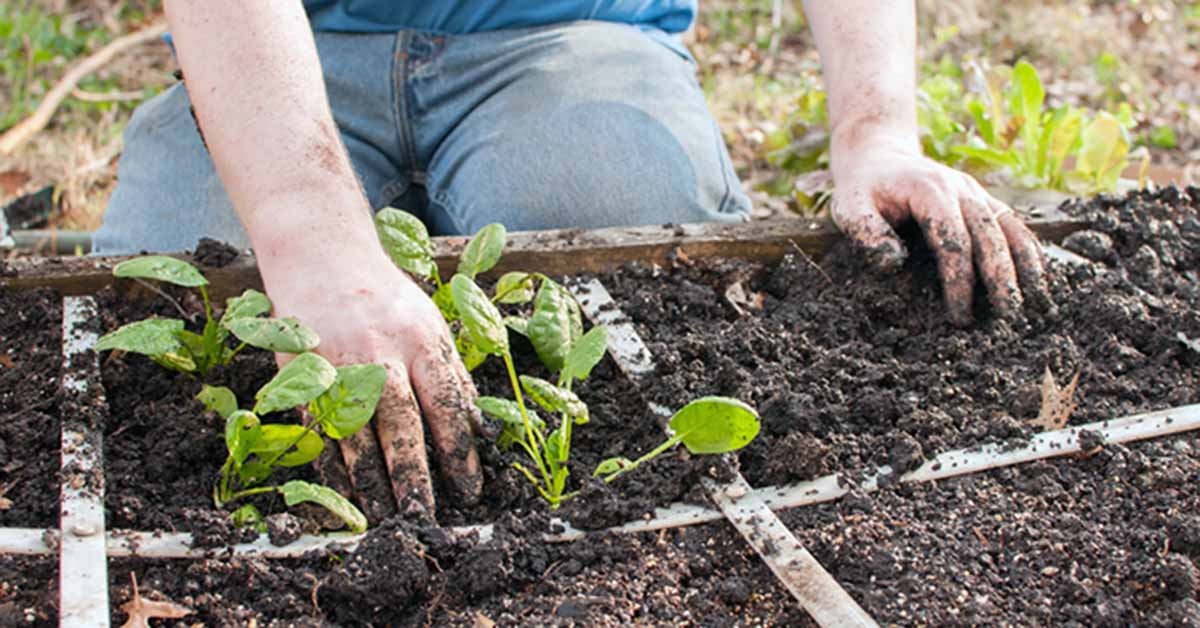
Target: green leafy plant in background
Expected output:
[339,402]
[169,344]
[1013,132]
[35,40]
[1003,133]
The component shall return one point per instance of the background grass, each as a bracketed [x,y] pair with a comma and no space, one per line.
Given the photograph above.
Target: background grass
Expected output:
[1089,53]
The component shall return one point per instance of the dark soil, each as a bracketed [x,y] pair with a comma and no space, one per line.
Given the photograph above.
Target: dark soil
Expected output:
[407,576]
[851,370]
[163,451]
[28,591]
[30,361]
[1109,540]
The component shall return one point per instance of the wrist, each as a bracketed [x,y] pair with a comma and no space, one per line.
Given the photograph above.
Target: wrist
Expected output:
[857,138]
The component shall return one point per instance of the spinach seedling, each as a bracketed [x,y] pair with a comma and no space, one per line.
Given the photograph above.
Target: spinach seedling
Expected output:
[709,425]
[340,401]
[548,451]
[167,343]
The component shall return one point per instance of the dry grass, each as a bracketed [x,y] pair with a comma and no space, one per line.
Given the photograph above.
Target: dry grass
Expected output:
[752,73]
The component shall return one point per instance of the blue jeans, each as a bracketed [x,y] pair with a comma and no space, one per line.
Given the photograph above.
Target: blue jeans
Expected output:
[586,124]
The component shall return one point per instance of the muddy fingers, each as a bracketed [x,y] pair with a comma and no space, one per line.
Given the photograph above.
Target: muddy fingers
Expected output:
[992,257]
[858,218]
[447,397]
[398,425]
[942,223]
[1026,256]
[367,473]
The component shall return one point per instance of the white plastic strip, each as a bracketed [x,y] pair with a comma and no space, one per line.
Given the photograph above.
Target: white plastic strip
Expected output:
[816,590]
[950,464]
[83,567]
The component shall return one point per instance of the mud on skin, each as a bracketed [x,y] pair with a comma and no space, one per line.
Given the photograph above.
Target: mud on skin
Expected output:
[857,360]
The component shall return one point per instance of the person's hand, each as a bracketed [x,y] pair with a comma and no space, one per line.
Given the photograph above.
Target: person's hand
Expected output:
[882,180]
[368,311]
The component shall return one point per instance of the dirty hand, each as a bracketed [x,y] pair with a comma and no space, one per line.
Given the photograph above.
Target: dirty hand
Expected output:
[882,180]
[368,311]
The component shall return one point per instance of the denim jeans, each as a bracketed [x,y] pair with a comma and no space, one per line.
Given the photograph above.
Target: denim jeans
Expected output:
[585,124]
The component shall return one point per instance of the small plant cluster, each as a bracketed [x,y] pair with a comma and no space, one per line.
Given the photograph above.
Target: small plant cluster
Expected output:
[1004,133]
[555,330]
[167,343]
[339,401]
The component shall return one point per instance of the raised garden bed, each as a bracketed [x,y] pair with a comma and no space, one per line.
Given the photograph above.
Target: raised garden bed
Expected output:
[849,373]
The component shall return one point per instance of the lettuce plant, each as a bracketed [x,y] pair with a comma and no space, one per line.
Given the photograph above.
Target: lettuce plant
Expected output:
[339,402]
[169,344]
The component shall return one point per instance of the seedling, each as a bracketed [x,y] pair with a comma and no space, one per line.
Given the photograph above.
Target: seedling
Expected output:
[407,242]
[709,425]
[340,401]
[167,343]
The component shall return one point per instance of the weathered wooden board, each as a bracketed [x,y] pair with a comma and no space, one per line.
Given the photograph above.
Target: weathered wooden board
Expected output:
[565,251]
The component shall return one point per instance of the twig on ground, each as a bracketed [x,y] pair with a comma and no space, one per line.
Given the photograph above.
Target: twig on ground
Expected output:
[27,128]
[811,262]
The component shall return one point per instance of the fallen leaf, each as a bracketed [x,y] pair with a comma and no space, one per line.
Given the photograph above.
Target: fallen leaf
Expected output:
[141,610]
[7,361]
[482,621]
[1057,403]
[741,300]
[11,182]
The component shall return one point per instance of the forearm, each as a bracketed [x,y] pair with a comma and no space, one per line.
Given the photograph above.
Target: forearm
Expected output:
[868,57]
[255,82]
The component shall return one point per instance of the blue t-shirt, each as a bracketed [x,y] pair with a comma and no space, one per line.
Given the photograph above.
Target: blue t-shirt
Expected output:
[662,19]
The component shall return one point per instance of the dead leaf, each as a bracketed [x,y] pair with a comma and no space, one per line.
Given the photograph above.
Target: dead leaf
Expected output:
[141,610]
[7,361]
[483,621]
[1057,403]
[741,300]
[11,182]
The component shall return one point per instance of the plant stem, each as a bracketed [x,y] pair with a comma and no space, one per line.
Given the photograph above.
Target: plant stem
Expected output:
[669,443]
[529,431]
[258,490]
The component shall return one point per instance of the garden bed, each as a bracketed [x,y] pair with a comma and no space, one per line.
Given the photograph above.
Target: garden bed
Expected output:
[849,372]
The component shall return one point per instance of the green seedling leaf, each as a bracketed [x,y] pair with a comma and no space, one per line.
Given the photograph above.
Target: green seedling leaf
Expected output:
[248,516]
[609,466]
[161,268]
[715,425]
[517,324]
[557,447]
[297,491]
[483,251]
[444,301]
[297,383]
[1025,101]
[1102,155]
[153,336]
[251,304]
[509,414]
[471,356]
[555,325]
[406,241]
[514,287]
[554,399]
[350,402]
[479,316]
[1062,134]
[293,444]
[281,335]
[242,433]
[175,362]
[585,354]
[218,399]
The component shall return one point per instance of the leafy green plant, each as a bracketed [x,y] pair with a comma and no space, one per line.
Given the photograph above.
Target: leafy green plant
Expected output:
[709,425]
[1014,133]
[340,401]
[167,343]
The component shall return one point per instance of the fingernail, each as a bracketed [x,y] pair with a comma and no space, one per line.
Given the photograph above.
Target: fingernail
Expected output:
[887,256]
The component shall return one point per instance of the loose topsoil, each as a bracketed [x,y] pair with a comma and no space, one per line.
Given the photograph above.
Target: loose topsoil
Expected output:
[163,451]
[30,360]
[851,370]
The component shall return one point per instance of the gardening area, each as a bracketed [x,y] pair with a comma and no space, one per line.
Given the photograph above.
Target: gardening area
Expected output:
[700,424]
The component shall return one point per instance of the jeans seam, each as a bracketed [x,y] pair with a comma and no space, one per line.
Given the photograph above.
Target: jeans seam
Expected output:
[400,93]
[722,208]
